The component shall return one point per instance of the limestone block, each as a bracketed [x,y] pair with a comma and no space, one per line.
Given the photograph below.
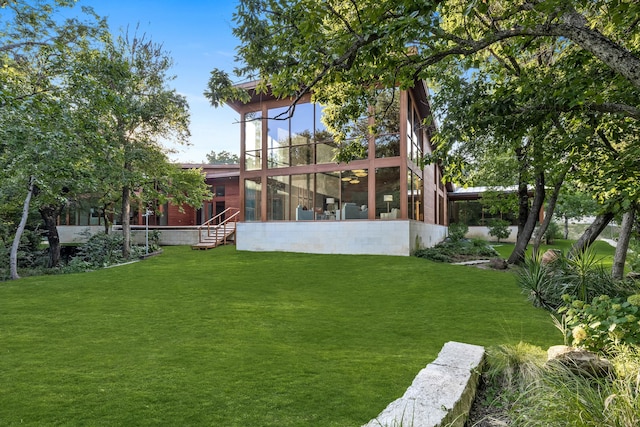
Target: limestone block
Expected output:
[441,394]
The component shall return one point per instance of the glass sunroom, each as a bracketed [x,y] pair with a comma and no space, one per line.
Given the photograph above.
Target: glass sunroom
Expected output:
[288,175]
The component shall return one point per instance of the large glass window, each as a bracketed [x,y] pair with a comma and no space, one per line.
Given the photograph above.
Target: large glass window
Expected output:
[358,137]
[252,197]
[302,125]
[325,146]
[472,212]
[415,197]
[302,201]
[388,193]
[354,194]
[328,194]
[278,198]
[387,123]
[278,137]
[253,140]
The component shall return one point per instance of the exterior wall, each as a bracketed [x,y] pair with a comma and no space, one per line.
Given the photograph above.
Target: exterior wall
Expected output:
[393,237]
[426,235]
[231,196]
[76,233]
[483,233]
[176,218]
[169,236]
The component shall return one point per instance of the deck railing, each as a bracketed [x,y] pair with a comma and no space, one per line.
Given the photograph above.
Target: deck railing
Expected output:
[220,229]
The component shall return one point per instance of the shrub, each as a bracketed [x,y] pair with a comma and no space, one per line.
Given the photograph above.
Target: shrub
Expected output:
[633,256]
[100,250]
[552,233]
[582,277]
[603,323]
[457,231]
[499,229]
[451,251]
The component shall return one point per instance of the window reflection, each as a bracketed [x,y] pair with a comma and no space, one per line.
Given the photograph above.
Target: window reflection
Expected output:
[388,193]
[253,140]
[252,197]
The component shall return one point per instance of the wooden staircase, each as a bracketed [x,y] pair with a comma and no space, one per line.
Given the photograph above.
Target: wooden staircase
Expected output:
[219,230]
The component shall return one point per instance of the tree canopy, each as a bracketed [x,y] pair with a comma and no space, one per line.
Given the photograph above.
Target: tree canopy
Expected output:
[339,49]
[82,112]
[222,158]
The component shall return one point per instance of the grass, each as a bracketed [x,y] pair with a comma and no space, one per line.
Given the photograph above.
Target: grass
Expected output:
[603,249]
[243,339]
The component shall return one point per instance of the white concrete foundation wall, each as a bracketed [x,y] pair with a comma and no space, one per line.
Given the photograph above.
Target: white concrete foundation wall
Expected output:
[394,237]
[480,232]
[426,235]
[169,236]
[77,233]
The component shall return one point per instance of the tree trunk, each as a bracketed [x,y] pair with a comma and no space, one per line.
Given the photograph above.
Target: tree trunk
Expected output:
[13,255]
[106,218]
[126,222]
[591,233]
[523,193]
[566,227]
[628,219]
[517,256]
[49,215]
[548,213]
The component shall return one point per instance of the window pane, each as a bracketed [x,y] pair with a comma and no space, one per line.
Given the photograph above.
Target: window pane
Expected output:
[388,193]
[325,152]
[327,195]
[387,111]
[355,191]
[278,197]
[278,137]
[252,160]
[415,202]
[252,197]
[278,157]
[388,145]
[253,131]
[301,154]
[302,200]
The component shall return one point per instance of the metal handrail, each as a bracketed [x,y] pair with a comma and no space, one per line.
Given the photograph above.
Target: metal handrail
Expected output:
[211,224]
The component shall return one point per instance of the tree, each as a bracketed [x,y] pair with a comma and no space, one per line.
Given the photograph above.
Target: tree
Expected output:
[620,256]
[39,153]
[574,204]
[133,109]
[222,158]
[388,43]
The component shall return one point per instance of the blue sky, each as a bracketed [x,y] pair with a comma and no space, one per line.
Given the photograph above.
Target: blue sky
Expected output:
[197,34]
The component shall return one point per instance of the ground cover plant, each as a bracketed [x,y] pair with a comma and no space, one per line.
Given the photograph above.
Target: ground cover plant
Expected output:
[456,248]
[241,338]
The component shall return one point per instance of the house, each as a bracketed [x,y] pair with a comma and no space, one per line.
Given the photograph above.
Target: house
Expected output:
[223,181]
[294,197]
[465,206]
[177,226]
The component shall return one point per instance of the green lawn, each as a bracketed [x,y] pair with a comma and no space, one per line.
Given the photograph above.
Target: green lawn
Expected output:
[227,338]
[603,249]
